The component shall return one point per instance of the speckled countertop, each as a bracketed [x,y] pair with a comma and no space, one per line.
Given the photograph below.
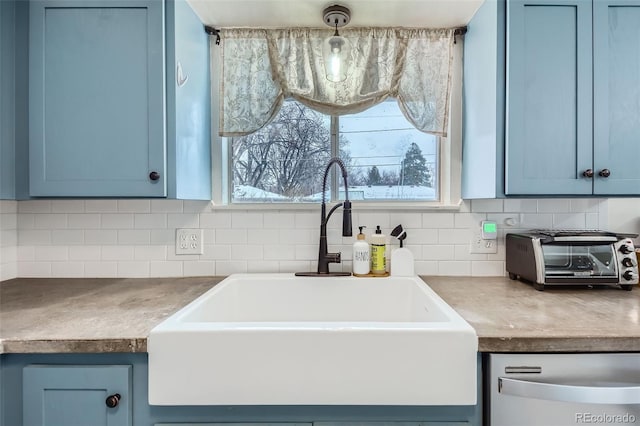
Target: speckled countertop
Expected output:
[116,315]
[89,315]
[510,316]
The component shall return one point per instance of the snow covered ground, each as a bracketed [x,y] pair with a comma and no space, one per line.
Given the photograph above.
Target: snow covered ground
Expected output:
[245,193]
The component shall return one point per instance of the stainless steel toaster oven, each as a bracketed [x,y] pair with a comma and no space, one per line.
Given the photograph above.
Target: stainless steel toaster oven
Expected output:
[576,258]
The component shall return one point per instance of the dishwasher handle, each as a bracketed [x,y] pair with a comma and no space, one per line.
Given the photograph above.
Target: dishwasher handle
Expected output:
[570,393]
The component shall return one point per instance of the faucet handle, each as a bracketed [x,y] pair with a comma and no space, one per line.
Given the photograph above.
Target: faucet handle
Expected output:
[334,257]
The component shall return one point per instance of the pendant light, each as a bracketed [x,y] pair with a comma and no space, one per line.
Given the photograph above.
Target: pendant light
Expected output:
[336,48]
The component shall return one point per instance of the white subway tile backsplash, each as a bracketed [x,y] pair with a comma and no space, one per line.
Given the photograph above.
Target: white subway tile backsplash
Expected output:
[231,236]
[95,269]
[294,266]
[195,206]
[437,220]
[34,237]
[99,236]
[487,268]
[51,253]
[553,205]
[67,206]
[407,220]
[34,206]
[216,252]
[100,206]
[520,206]
[183,220]
[67,236]
[196,268]
[34,269]
[454,236]
[117,221]
[134,206]
[279,252]
[136,238]
[438,252]
[215,220]
[50,221]
[426,267]
[150,221]
[569,221]
[150,253]
[454,268]
[85,253]
[67,269]
[137,269]
[280,219]
[83,221]
[247,220]
[165,269]
[228,267]
[263,236]
[487,206]
[264,266]
[166,206]
[246,252]
[117,252]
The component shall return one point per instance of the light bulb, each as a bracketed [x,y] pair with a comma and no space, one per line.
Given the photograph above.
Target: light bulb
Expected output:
[335,66]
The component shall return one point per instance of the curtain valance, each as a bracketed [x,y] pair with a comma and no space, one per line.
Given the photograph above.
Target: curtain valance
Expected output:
[260,68]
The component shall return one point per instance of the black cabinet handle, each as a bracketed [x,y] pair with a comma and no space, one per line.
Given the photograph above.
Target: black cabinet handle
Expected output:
[113,400]
[154,175]
[605,173]
[588,173]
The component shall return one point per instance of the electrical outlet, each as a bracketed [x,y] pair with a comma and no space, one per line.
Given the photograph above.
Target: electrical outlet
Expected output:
[480,246]
[189,241]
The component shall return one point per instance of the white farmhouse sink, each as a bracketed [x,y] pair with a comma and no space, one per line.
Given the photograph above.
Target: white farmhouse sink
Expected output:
[278,339]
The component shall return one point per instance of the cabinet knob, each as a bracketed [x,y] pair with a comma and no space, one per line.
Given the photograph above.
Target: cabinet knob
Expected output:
[605,173]
[588,173]
[113,400]
[154,175]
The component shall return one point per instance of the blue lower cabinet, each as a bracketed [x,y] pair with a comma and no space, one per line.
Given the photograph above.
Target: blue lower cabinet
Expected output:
[80,390]
[96,395]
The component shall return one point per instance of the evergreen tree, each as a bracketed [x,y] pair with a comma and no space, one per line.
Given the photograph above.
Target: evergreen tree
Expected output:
[414,169]
[373,177]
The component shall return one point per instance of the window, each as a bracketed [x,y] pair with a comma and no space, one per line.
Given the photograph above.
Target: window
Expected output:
[387,159]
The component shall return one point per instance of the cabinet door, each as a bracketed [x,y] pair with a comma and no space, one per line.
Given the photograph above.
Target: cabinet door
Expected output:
[96,98]
[616,74]
[549,97]
[56,395]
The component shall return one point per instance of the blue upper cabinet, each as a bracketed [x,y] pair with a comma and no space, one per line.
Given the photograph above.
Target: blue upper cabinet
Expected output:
[549,97]
[105,114]
[97,98]
[568,101]
[616,108]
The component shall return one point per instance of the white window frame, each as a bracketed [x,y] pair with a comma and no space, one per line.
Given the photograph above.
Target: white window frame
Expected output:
[449,161]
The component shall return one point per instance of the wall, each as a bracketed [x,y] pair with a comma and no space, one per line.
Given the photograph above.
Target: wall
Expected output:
[135,238]
[8,239]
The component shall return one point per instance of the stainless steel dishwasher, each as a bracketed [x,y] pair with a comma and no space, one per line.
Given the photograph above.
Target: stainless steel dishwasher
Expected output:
[564,389]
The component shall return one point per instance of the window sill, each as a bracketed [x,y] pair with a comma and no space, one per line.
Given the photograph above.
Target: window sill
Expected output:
[355,205]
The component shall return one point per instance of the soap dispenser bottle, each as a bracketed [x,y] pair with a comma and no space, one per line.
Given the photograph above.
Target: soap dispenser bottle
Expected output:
[401,258]
[378,252]
[361,255]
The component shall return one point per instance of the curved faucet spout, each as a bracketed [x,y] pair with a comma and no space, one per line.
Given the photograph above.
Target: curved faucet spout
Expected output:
[324,258]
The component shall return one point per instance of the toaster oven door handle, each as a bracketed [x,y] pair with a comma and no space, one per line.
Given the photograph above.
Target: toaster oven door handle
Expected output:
[570,393]
[586,239]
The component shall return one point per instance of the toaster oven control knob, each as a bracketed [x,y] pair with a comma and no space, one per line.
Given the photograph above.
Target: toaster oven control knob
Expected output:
[627,262]
[628,275]
[625,249]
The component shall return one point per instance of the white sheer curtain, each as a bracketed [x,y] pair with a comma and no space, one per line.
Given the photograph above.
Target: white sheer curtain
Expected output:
[260,68]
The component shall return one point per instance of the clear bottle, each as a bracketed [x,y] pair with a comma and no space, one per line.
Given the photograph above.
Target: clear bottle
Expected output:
[361,255]
[378,252]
